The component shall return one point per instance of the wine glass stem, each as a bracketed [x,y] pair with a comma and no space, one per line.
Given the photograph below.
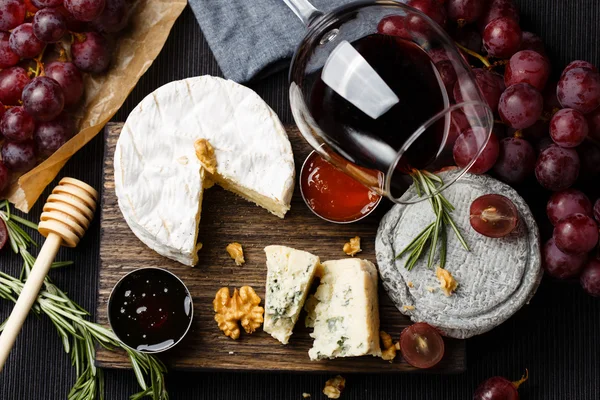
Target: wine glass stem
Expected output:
[304,10]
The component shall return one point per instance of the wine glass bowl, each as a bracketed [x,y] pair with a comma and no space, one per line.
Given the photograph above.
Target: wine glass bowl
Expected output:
[379,90]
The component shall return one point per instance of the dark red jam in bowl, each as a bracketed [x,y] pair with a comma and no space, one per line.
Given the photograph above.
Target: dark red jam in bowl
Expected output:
[150,310]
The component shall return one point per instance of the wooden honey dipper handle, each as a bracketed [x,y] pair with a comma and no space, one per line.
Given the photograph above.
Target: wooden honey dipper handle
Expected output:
[67,214]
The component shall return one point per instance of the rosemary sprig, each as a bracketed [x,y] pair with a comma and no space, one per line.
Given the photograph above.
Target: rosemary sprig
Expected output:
[429,184]
[79,335]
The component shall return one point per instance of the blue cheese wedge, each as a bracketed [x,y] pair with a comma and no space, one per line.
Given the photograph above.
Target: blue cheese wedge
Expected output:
[346,317]
[290,274]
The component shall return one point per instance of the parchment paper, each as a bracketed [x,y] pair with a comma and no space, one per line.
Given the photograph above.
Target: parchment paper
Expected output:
[135,50]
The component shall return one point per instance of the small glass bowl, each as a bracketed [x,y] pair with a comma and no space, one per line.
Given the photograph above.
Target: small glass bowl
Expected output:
[159,289]
[359,217]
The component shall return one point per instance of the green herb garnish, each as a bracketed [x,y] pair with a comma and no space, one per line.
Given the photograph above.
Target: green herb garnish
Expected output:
[79,335]
[428,184]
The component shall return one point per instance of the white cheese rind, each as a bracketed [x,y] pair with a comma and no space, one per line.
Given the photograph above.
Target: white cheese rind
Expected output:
[157,173]
[290,274]
[346,318]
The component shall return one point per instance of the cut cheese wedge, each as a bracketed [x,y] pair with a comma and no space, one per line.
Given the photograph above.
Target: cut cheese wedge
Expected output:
[159,178]
[290,274]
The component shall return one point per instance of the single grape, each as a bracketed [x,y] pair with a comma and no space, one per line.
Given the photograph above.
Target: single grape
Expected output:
[12,14]
[490,84]
[520,106]
[465,11]
[19,157]
[431,8]
[458,124]
[24,43]
[578,64]
[493,215]
[593,120]
[579,89]
[394,25]
[590,277]
[531,41]
[438,54]
[567,202]
[499,388]
[422,345]
[576,234]
[51,135]
[8,58]
[92,54]
[46,3]
[16,125]
[502,37]
[469,143]
[448,75]
[516,160]
[69,78]
[113,18]
[559,264]
[527,66]
[498,9]
[85,10]
[4,181]
[73,24]
[597,210]
[49,25]
[568,128]
[43,98]
[12,82]
[557,168]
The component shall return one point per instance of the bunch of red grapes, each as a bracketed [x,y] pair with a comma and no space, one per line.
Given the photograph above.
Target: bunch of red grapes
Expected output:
[550,130]
[45,48]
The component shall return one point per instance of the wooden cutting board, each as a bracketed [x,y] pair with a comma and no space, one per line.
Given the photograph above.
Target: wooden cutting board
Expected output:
[227,218]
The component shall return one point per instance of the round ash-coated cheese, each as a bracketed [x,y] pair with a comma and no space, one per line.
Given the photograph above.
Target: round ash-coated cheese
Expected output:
[495,278]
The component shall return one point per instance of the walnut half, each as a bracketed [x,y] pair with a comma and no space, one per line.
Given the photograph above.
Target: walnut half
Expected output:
[334,387]
[447,282]
[389,349]
[236,252]
[353,246]
[243,306]
[206,155]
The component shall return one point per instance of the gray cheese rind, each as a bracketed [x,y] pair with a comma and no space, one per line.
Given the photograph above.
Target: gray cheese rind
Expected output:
[496,277]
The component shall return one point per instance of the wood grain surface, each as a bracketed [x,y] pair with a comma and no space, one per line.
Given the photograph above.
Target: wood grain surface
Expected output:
[227,218]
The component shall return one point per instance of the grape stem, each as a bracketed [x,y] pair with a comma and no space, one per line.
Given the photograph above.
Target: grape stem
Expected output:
[478,56]
[524,378]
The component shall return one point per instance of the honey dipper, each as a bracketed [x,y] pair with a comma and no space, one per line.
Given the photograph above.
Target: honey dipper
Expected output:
[66,216]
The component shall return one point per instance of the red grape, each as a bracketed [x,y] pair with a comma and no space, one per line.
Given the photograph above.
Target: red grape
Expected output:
[531,41]
[17,125]
[4,181]
[43,98]
[431,8]
[18,157]
[527,66]
[493,215]
[568,128]
[12,14]
[113,18]
[579,89]
[49,25]
[85,10]
[24,43]
[516,160]
[8,58]
[490,84]
[422,346]
[458,124]
[561,265]
[502,37]
[73,24]
[520,106]
[557,168]
[590,277]
[448,75]
[92,54]
[51,135]
[497,9]
[498,388]
[395,25]
[597,210]
[438,54]
[468,145]
[576,234]
[578,64]
[465,10]
[593,120]
[12,82]
[69,78]
[567,202]
[46,3]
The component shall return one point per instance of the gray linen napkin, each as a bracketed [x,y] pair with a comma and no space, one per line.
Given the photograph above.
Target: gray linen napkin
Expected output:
[249,36]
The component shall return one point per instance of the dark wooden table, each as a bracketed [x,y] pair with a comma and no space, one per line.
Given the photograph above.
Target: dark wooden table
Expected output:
[557,336]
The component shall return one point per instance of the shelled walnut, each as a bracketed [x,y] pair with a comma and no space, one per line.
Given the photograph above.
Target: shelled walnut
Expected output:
[242,306]
[236,252]
[334,387]
[389,349]
[353,246]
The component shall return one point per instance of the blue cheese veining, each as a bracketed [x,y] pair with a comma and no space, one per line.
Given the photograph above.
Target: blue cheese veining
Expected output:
[290,274]
[346,316]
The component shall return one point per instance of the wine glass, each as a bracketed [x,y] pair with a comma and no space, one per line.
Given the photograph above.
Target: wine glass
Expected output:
[380,91]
